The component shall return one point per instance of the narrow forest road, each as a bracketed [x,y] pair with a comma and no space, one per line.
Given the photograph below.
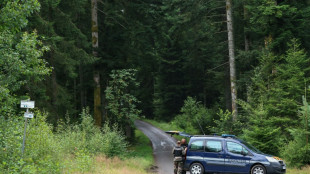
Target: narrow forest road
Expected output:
[162,146]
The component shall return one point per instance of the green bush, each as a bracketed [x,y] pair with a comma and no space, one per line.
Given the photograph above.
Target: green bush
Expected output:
[41,151]
[261,130]
[297,151]
[70,149]
[11,137]
[113,142]
[193,115]
[225,124]
[90,138]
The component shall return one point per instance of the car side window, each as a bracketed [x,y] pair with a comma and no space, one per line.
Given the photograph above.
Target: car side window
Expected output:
[236,148]
[197,145]
[213,146]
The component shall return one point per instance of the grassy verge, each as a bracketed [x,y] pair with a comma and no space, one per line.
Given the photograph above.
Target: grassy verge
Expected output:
[142,148]
[138,160]
[304,170]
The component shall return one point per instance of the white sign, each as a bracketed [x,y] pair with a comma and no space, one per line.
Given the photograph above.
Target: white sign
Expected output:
[28,115]
[26,104]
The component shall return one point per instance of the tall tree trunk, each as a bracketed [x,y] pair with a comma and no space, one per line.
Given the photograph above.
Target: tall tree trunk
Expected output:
[54,88]
[232,66]
[82,90]
[246,36]
[96,75]
[227,89]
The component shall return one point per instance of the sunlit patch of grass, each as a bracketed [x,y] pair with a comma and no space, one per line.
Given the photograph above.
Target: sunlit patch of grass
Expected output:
[138,161]
[118,166]
[304,170]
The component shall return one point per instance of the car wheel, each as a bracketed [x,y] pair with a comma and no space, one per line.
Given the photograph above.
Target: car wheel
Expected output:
[196,168]
[258,169]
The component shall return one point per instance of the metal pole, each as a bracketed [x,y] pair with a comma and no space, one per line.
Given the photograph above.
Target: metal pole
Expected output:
[24,140]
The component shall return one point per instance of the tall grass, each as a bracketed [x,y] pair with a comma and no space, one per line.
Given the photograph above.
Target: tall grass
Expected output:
[304,170]
[137,161]
[71,149]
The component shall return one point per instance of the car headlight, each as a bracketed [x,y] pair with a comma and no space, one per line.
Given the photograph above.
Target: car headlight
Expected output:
[272,159]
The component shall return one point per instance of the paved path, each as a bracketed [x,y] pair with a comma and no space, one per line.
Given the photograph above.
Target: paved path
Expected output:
[162,146]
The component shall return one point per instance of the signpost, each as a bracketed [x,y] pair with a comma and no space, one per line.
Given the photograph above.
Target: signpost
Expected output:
[26,104]
[28,115]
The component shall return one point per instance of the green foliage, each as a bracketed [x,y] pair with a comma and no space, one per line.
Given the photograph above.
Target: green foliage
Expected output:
[178,48]
[90,139]
[193,115]
[20,63]
[263,134]
[10,140]
[21,60]
[114,143]
[65,27]
[187,55]
[225,124]
[273,102]
[297,151]
[46,151]
[122,104]
[42,154]
[14,14]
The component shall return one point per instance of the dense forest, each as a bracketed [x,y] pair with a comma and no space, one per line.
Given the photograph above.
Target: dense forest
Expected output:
[166,60]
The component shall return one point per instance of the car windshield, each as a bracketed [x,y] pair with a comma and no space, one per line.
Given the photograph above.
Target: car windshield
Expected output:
[251,147]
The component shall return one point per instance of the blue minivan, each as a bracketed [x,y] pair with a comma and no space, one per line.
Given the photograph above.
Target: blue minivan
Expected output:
[227,154]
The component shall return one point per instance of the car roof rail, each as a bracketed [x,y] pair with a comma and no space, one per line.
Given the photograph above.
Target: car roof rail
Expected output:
[206,135]
[228,136]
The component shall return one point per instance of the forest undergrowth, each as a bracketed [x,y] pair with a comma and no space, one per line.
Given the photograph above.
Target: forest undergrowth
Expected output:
[70,148]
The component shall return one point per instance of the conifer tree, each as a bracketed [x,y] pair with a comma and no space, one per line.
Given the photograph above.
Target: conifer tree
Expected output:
[273,107]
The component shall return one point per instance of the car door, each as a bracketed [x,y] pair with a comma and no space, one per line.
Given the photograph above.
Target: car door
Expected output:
[237,158]
[214,156]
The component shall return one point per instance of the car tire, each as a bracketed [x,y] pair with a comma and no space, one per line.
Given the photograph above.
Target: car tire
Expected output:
[258,169]
[196,168]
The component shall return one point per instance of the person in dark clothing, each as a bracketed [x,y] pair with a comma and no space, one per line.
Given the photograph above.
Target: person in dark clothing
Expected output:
[178,153]
[184,146]
[183,143]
